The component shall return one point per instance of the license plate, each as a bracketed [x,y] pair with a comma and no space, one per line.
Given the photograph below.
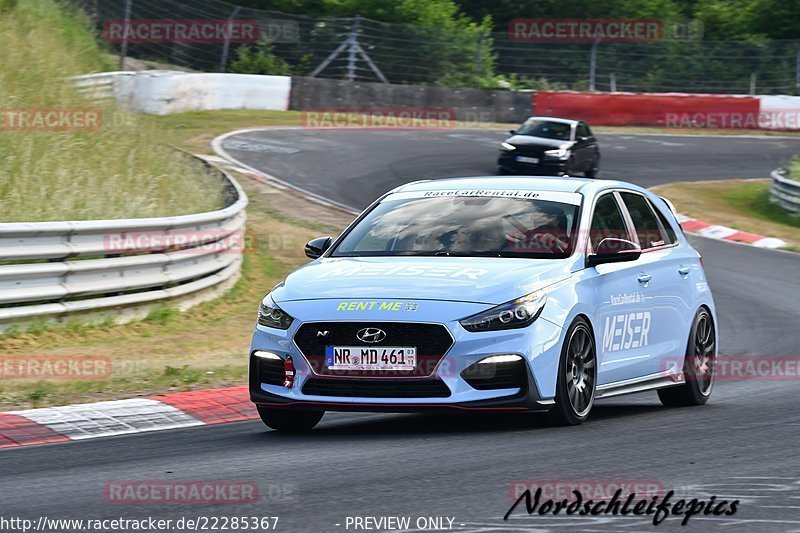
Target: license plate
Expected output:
[365,358]
[523,159]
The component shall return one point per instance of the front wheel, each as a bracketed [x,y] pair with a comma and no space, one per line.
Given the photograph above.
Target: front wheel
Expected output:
[698,365]
[594,167]
[577,377]
[289,420]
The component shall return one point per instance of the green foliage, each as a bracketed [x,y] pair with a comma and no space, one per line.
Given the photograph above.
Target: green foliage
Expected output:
[259,59]
[753,199]
[161,314]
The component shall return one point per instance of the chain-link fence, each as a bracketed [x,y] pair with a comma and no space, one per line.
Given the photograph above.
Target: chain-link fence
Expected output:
[365,50]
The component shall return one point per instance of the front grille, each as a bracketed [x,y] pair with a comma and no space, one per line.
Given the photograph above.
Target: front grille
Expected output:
[377,388]
[485,376]
[531,151]
[270,371]
[431,340]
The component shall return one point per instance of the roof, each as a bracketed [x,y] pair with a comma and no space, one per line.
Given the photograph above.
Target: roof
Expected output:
[555,119]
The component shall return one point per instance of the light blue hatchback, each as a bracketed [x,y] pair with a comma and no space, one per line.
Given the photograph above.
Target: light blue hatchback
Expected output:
[476,294]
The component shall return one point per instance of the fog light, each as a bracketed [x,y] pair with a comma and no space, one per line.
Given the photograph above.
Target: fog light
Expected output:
[510,358]
[261,354]
[288,368]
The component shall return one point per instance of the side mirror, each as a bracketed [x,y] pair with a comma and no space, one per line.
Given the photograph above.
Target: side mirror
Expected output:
[612,250]
[316,247]
[512,132]
[583,139]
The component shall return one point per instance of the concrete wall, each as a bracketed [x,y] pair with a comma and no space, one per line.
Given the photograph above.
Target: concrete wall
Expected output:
[471,105]
[167,92]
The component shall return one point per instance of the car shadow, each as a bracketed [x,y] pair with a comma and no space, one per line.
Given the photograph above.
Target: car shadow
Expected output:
[389,425]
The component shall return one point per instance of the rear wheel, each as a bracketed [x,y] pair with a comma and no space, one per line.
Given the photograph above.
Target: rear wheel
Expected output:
[698,365]
[288,419]
[577,377]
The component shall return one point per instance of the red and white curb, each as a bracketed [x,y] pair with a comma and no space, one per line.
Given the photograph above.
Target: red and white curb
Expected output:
[724,233]
[122,417]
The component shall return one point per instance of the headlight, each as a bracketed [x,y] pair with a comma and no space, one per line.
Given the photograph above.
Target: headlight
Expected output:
[507,146]
[516,314]
[558,153]
[270,315]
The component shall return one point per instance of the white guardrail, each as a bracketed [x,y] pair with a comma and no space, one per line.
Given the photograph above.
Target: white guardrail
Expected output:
[52,269]
[785,192]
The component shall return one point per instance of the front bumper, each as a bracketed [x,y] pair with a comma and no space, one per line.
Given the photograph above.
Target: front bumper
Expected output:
[545,167]
[538,345]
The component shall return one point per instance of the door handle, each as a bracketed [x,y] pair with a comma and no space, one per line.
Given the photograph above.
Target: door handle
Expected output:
[644,278]
[684,271]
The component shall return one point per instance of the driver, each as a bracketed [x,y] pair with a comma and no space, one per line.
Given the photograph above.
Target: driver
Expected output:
[549,235]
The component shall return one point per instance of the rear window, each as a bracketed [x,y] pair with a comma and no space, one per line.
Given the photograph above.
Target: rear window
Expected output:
[645,223]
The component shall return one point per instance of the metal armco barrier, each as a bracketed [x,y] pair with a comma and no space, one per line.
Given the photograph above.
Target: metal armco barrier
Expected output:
[52,269]
[785,192]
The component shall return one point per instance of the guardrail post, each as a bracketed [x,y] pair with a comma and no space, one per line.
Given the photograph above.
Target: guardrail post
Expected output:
[226,46]
[123,49]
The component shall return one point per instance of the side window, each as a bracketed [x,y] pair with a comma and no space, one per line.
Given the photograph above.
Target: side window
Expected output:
[583,131]
[588,130]
[644,220]
[607,221]
[669,236]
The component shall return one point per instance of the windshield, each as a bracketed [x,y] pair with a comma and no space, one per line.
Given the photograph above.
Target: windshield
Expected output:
[546,129]
[465,226]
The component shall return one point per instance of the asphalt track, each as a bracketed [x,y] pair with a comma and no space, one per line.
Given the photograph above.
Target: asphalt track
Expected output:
[741,445]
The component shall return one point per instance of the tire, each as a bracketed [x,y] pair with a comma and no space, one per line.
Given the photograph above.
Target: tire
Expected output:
[577,377]
[594,167]
[698,365]
[570,168]
[289,420]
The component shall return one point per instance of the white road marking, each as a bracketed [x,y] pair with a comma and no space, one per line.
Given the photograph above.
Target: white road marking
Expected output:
[102,419]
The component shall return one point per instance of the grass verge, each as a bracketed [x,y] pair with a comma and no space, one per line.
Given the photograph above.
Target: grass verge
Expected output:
[740,204]
[69,158]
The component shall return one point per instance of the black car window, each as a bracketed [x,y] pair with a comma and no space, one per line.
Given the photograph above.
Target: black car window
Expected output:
[588,129]
[583,131]
[644,220]
[607,221]
[669,236]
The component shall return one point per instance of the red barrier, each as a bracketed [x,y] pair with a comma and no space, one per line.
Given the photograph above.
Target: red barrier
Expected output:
[666,110]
